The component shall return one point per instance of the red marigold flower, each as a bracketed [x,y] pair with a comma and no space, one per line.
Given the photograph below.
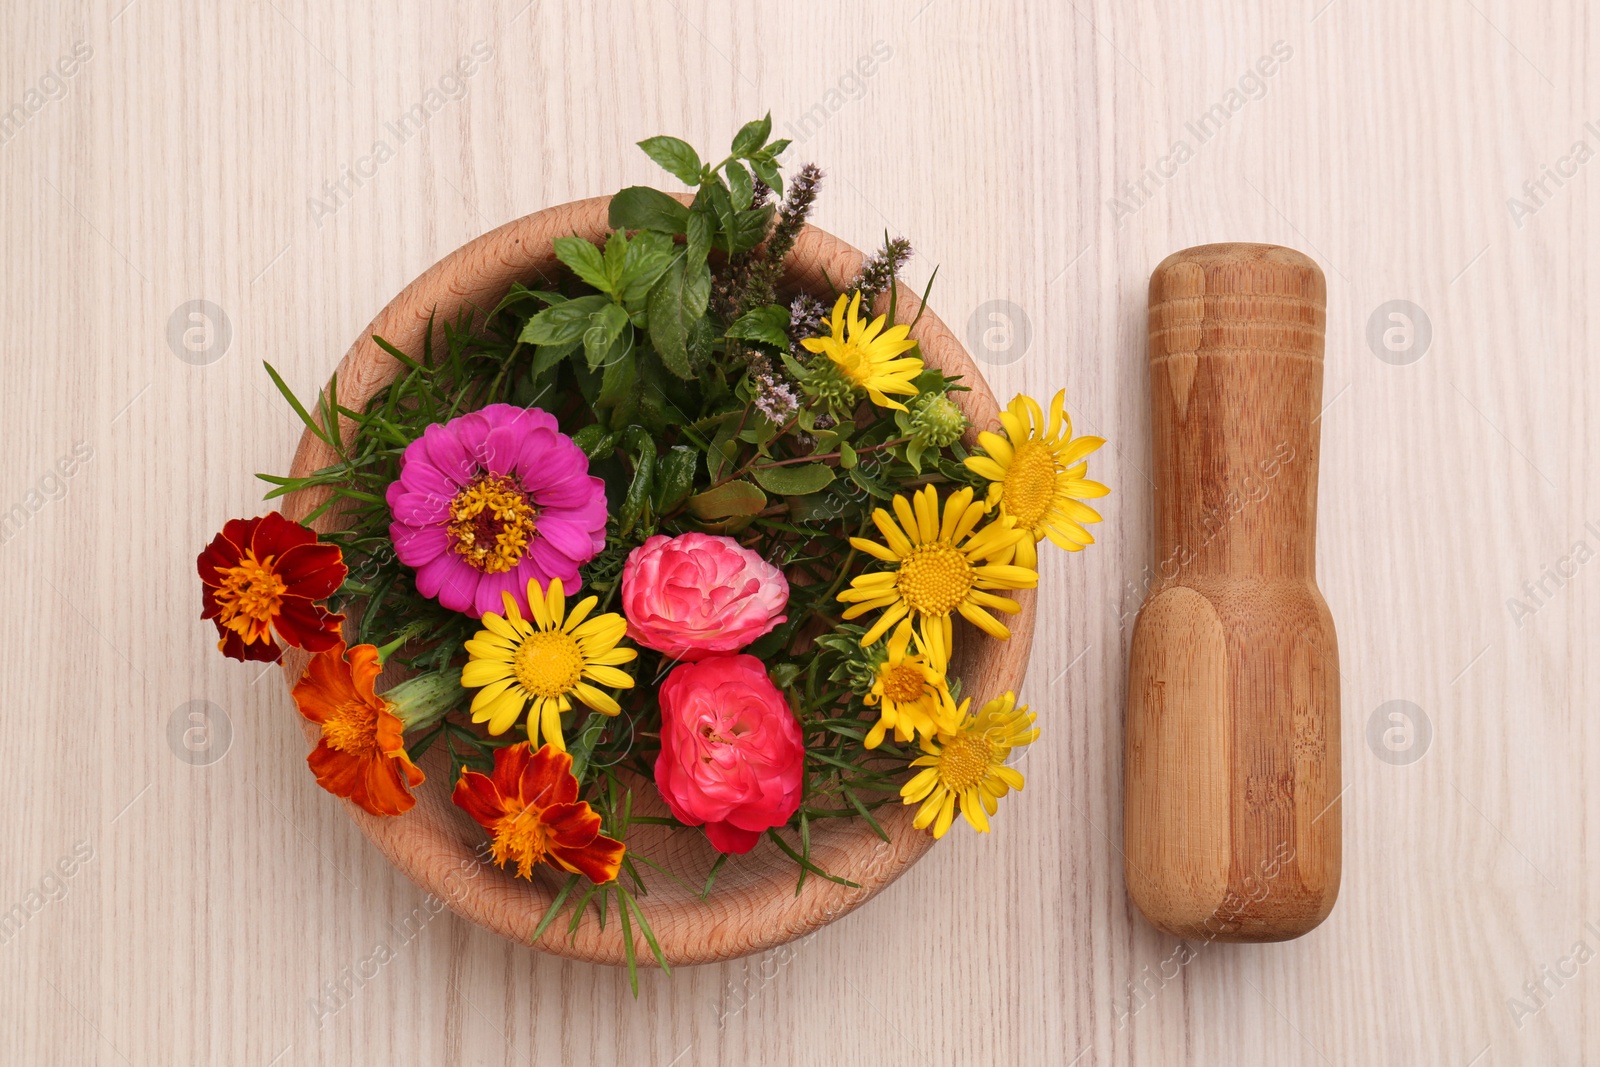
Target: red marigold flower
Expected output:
[531,805]
[362,754]
[262,576]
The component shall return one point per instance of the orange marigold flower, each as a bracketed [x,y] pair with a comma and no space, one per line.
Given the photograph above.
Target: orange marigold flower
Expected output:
[263,575]
[362,753]
[530,803]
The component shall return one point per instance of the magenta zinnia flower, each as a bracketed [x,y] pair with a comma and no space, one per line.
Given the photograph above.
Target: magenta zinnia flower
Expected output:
[489,500]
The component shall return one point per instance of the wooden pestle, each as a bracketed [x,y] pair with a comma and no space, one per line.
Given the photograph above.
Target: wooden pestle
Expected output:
[1231,817]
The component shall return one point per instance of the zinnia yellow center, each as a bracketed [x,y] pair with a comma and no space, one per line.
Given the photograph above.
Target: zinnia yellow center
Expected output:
[352,728]
[1030,485]
[249,595]
[491,521]
[522,837]
[902,682]
[549,663]
[965,762]
[934,578]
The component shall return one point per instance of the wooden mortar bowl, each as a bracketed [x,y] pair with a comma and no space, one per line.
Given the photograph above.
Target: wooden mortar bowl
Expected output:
[753,905]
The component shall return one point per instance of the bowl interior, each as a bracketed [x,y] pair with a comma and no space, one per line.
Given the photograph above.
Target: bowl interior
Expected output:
[753,905]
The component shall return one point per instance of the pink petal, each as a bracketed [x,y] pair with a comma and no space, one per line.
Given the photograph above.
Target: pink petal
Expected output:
[444,451]
[417,545]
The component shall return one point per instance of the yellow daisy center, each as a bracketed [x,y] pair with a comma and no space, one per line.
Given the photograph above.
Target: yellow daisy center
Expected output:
[549,663]
[491,521]
[965,762]
[521,837]
[249,594]
[353,728]
[902,682]
[1030,484]
[934,579]
[853,360]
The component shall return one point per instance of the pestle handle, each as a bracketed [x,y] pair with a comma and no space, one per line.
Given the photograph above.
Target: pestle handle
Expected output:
[1231,823]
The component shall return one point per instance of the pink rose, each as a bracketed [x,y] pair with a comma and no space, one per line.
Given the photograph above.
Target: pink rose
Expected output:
[731,753]
[696,595]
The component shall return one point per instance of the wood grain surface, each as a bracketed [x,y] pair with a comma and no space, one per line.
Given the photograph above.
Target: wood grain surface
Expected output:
[175,889]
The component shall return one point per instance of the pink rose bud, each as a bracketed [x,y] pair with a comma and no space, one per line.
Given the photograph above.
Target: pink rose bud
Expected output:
[732,757]
[696,595]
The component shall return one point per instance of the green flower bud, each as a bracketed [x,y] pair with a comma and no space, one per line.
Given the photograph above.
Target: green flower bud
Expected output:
[824,381]
[935,421]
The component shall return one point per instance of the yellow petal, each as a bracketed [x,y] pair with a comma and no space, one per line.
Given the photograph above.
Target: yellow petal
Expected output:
[986,599]
[998,447]
[920,785]
[875,738]
[480,672]
[947,812]
[501,712]
[597,699]
[608,676]
[1057,411]
[579,613]
[872,548]
[984,467]
[908,520]
[555,602]
[956,507]
[927,505]
[499,626]
[983,620]
[539,605]
[893,535]
[1006,576]
[891,615]
[550,726]
[488,695]
[491,647]
[1080,447]
[972,810]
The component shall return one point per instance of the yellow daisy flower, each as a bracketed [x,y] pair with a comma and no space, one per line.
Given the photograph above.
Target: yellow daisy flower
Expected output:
[868,354]
[911,691]
[1036,473]
[967,768]
[545,662]
[940,566]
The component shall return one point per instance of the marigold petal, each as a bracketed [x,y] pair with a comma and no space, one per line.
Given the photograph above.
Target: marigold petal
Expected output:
[478,796]
[599,861]
[312,570]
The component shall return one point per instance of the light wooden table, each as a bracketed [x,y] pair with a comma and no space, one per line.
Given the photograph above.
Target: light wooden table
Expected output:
[191,153]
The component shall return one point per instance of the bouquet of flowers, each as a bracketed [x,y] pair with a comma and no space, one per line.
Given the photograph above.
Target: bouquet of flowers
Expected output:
[659,522]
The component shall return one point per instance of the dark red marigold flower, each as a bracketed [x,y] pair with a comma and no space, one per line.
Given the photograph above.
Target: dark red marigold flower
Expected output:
[262,577]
